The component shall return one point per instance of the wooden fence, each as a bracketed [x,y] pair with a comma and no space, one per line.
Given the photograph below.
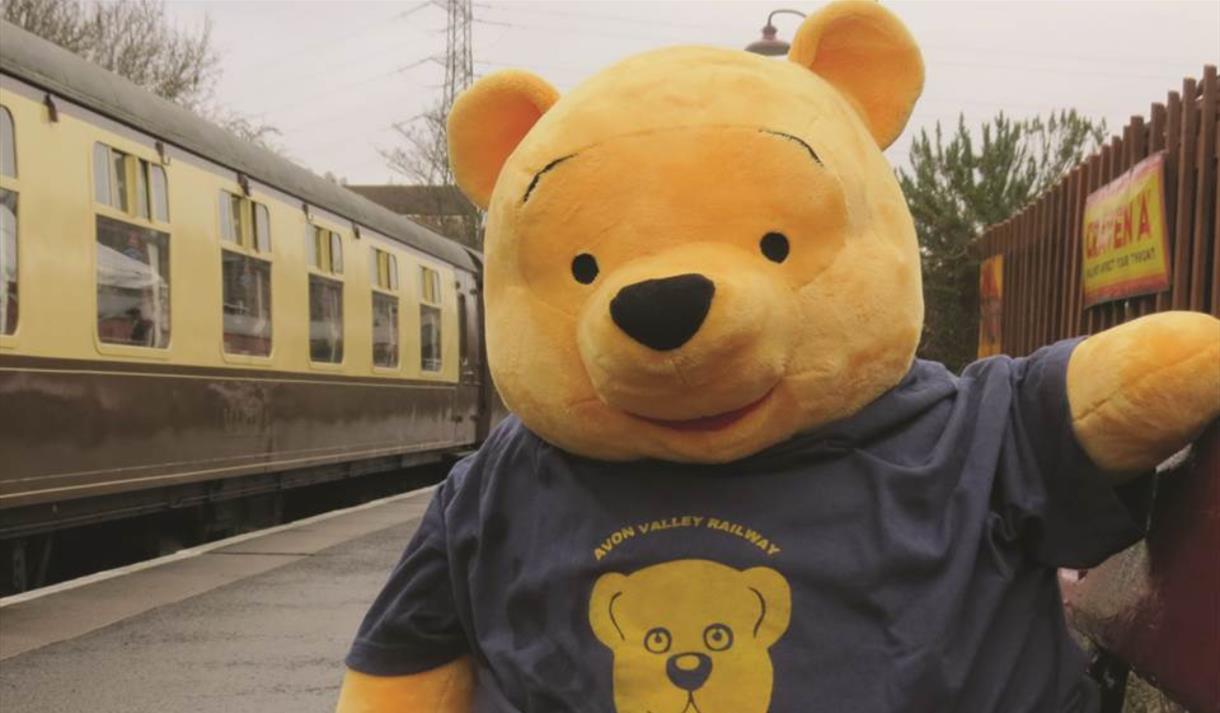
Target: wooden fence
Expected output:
[1042,299]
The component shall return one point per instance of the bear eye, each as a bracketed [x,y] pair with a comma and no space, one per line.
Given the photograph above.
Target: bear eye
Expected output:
[774,246]
[584,268]
[657,640]
[718,637]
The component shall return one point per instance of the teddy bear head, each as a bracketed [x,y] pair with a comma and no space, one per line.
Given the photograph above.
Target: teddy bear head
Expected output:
[698,252]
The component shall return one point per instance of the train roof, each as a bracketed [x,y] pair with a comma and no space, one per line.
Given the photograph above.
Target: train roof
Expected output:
[62,73]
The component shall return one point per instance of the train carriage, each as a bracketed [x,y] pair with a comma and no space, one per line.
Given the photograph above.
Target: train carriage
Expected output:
[186,316]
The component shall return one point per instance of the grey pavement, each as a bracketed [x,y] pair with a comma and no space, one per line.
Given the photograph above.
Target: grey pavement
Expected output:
[270,642]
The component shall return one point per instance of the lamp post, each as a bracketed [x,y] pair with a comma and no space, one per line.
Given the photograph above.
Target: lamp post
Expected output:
[770,45]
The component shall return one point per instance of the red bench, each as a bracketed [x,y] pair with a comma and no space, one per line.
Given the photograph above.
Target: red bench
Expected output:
[1155,608]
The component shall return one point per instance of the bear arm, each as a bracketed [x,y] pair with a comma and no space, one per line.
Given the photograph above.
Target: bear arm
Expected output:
[445,689]
[1139,392]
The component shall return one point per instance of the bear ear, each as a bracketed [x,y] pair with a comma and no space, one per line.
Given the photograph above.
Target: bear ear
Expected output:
[774,603]
[487,122]
[606,590]
[868,55]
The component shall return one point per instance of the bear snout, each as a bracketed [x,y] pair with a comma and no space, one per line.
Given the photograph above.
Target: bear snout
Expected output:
[663,314]
[689,671]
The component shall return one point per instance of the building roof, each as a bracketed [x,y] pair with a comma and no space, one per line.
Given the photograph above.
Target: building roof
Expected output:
[62,73]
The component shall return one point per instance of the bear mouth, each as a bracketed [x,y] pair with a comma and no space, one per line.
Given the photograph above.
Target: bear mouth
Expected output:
[690,704]
[715,422]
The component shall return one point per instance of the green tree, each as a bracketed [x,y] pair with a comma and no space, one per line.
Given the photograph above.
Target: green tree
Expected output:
[957,186]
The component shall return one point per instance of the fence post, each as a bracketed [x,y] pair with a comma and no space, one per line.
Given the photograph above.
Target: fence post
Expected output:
[1188,131]
[1043,242]
[1205,179]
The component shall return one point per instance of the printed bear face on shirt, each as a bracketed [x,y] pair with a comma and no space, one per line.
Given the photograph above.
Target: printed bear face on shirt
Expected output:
[691,635]
[698,252]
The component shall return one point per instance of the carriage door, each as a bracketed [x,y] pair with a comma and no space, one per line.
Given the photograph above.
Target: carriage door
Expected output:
[467,411]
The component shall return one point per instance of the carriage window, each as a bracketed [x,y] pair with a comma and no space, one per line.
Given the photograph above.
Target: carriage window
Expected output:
[8,226]
[244,222]
[8,145]
[325,249]
[463,347]
[133,297]
[142,189]
[101,173]
[230,218]
[246,279]
[429,338]
[429,320]
[160,193]
[336,253]
[383,269]
[262,228]
[8,261]
[247,304]
[151,191]
[312,255]
[325,319]
[429,285]
[110,177]
[118,180]
[385,330]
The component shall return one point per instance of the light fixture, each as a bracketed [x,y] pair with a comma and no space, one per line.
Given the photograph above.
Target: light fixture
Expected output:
[770,45]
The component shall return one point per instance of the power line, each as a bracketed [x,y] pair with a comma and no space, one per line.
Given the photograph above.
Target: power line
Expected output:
[347,139]
[262,69]
[597,17]
[568,29]
[458,34]
[578,30]
[588,69]
[302,99]
[1054,55]
[328,42]
[1052,70]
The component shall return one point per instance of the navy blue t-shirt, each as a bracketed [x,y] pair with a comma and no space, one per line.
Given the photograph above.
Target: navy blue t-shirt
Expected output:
[899,561]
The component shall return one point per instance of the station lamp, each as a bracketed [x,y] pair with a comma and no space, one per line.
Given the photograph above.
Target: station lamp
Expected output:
[770,45]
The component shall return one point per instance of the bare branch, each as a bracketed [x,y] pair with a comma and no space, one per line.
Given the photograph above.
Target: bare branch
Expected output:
[422,158]
[132,38]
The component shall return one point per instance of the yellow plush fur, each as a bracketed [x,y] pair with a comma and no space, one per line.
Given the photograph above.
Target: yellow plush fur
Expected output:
[1140,390]
[445,689]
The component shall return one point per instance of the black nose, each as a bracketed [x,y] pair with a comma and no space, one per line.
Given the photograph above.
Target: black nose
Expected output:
[688,671]
[663,314]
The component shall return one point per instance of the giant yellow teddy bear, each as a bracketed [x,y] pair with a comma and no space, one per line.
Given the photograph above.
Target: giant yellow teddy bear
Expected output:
[728,486]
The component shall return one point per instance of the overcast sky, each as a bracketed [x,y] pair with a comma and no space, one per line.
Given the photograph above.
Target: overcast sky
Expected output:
[334,76]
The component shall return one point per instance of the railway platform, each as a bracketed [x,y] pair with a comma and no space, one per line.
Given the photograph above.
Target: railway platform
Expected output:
[258,622]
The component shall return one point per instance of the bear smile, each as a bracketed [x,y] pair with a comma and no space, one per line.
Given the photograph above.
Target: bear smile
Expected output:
[715,422]
[690,705]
